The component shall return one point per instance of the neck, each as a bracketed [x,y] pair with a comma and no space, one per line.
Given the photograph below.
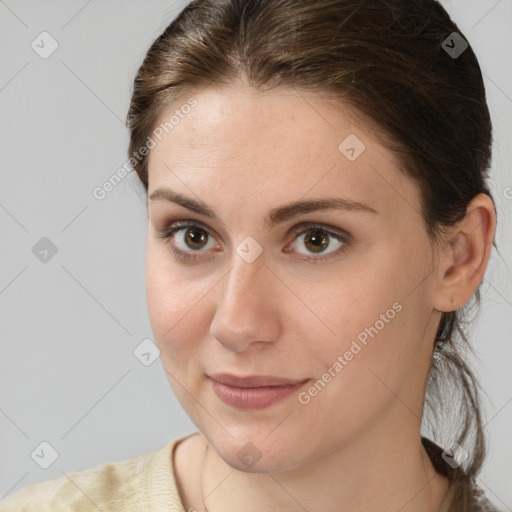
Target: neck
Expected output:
[383,469]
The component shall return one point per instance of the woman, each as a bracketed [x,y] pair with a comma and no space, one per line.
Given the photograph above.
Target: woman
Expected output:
[318,220]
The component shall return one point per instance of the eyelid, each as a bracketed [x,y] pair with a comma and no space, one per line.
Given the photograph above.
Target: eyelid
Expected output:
[175,226]
[297,229]
[302,227]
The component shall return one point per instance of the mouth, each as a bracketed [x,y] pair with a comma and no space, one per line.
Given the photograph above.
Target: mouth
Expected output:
[253,392]
[254,381]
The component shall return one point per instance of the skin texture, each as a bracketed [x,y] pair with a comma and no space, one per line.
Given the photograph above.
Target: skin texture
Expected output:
[357,441]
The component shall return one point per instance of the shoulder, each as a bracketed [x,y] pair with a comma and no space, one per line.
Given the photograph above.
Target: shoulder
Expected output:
[111,486]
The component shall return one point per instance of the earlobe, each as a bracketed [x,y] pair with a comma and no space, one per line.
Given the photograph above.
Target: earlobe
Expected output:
[465,255]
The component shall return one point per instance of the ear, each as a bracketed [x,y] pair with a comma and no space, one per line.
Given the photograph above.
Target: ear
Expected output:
[465,254]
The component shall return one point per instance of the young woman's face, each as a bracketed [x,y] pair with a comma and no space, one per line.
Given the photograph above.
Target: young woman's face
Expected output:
[344,309]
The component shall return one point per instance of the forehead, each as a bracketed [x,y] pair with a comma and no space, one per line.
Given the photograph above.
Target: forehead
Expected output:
[283,143]
[277,120]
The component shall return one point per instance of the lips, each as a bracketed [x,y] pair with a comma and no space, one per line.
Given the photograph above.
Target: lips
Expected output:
[254,381]
[253,392]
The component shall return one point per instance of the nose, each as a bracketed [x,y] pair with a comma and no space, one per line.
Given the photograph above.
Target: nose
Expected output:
[248,311]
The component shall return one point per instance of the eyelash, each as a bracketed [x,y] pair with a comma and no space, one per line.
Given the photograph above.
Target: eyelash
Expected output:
[297,231]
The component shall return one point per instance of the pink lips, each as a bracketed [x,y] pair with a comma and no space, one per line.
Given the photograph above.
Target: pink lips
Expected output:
[253,392]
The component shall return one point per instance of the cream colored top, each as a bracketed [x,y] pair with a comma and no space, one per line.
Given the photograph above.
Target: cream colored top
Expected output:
[143,483]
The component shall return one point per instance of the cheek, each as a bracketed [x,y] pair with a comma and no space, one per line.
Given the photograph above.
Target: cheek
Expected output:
[378,329]
[175,304]
[358,377]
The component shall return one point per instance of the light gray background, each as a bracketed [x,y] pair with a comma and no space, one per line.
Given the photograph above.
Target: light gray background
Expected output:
[68,375]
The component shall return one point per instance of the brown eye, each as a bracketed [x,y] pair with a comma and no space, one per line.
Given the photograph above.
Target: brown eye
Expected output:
[195,237]
[316,240]
[188,240]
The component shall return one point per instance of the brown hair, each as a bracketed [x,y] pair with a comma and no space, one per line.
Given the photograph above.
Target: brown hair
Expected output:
[386,58]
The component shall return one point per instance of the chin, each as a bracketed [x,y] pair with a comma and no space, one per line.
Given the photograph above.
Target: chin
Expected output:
[258,452]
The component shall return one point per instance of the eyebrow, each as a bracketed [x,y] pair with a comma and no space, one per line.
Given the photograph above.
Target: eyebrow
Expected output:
[276,215]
